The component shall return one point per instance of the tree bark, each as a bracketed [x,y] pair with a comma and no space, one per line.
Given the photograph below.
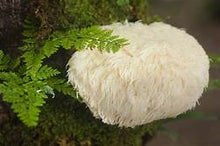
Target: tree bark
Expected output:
[11,17]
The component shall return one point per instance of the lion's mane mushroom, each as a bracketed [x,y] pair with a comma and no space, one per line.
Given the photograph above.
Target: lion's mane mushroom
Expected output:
[160,74]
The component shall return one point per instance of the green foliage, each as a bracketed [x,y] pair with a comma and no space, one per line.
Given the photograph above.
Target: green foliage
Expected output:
[24,94]
[4,61]
[61,85]
[46,72]
[27,89]
[92,37]
[7,63]
[25,97]
[24,81]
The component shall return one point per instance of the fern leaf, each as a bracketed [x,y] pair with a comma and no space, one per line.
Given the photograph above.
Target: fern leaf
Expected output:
[46,72]
[61,85]
[92,37]
[50,47]
[4,61]
[10,77]
[25,98]
[33,62]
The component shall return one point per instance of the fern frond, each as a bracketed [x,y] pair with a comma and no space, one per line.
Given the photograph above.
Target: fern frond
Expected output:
[46,72]
[90,38]
[50,47]
[28,114]
[25,96]
[27,89]
[4,61]
[33,62]
[94,37]
[62,85]
[10,77]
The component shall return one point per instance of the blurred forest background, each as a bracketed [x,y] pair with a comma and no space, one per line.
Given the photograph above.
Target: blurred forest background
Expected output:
[201,18]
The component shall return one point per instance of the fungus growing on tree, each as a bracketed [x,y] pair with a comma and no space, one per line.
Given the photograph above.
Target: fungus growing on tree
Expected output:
[161,73]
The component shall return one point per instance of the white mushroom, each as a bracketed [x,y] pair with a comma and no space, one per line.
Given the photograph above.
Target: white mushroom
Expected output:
[160,74]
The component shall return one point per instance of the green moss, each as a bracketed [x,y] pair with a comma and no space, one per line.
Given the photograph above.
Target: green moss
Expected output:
[66,121]
[59,14]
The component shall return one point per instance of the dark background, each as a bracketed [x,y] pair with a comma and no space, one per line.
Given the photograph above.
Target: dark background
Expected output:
[200,18]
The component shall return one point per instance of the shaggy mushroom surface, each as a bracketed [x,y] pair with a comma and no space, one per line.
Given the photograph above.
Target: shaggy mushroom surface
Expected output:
[161,73]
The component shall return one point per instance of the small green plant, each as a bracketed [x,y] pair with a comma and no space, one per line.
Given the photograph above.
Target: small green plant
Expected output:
[27,81]
[92,37]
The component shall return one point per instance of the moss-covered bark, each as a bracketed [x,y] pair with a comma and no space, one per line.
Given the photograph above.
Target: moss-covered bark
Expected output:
[65,121]
[59,14]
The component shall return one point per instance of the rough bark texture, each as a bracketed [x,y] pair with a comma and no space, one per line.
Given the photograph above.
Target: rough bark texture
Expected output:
[11,16]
